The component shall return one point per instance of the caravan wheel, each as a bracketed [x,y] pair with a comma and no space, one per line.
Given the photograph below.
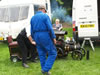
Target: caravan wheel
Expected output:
[14,58]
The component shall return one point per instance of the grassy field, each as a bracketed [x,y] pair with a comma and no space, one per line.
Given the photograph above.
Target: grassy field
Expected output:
[69,32]
[65,66]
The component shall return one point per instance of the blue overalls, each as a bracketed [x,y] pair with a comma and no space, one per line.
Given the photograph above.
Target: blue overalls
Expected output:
[43,34]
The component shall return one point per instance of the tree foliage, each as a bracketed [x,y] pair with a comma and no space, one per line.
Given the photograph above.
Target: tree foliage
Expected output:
[60,11]
[60,2]
[67,4]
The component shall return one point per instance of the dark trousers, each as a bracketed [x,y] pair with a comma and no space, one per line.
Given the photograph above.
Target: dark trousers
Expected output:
[26,48]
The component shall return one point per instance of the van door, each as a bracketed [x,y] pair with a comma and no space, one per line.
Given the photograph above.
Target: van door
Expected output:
[99,15]
[87,18]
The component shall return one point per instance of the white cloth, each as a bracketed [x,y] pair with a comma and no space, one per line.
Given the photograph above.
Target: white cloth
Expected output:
[57,27]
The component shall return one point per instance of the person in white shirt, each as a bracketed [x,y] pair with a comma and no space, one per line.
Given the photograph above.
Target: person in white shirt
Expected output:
[57,25]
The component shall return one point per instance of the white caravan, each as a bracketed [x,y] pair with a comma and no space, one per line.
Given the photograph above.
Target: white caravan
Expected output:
[16,14]
[86,19]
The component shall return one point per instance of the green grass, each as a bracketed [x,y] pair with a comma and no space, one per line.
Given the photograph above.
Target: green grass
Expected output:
[69,30]
[65,66]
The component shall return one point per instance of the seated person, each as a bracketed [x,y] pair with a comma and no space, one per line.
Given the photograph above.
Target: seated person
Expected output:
[57,25]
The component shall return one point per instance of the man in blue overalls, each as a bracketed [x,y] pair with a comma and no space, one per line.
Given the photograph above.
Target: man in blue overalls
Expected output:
[43,34]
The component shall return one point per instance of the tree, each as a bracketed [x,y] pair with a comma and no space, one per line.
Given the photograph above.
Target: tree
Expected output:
[60,11]
[67,4]
[60,2]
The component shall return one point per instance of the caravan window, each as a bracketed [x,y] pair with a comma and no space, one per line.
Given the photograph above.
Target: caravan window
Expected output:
[18,13]
[23,12]
[2,13]
[35,8]
[14,14]
[6,16]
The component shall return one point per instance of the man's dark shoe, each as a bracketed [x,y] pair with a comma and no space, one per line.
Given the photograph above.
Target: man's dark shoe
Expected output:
[46,73]
[25,65]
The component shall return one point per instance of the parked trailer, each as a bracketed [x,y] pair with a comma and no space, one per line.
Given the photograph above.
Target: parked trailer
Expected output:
[16,14]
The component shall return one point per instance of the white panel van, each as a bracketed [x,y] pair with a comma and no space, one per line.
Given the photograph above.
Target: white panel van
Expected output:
[86,19]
